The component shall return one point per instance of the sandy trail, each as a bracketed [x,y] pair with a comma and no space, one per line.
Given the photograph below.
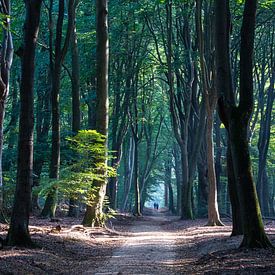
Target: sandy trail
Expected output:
[148,249]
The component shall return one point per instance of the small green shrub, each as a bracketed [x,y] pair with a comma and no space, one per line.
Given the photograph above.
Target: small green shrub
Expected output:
[85,166]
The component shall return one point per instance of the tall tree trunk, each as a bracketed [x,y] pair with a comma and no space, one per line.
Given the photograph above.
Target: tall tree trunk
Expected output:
[91,103]
[236,118]
[19,232]
[177,168]
[43,122]
[76,115]
[119,128]
[263,144]
[94,212]
[213,212]
[129,175]
[237,228]
[168,185]
[113,181]
[218,161]
[186,199]
[210,96]
[60,53]
[11,128]
[202,184]
[166,195]
[137,209]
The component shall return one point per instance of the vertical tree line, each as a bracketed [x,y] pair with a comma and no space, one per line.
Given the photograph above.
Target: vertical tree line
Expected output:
[182,97]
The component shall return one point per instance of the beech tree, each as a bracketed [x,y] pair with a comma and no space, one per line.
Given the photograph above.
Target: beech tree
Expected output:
[236,117]
[165,137]
[94,211]
[19,232]
[210,95]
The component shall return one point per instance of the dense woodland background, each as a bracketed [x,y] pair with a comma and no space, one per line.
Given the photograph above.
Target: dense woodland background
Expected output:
[170,65]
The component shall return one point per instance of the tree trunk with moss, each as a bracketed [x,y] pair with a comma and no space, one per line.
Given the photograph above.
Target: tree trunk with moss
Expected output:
[236,118]
[237,228]
[94,211]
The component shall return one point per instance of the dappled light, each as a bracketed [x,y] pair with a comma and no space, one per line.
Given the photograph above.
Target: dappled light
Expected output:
[137,137]
[147,245]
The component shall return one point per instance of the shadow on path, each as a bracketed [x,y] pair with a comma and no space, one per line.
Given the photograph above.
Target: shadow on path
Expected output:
[149,248]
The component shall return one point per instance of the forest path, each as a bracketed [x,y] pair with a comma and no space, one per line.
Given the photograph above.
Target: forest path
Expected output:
[149,249]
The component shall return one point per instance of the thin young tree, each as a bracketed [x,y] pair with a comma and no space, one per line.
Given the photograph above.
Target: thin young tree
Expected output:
[59,56]
[19,232]
[75,79]
[265,105]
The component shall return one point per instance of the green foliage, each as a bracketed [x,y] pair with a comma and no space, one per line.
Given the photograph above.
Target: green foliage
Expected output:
[86,164]
[136,61]
[9,180]
[267,3]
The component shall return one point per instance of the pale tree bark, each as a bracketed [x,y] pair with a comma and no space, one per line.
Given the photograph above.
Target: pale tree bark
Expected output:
[94,212]
[19,232]
[218,160]
[210,96]
[75,80]
[137,209]
[129,167]
[177,169]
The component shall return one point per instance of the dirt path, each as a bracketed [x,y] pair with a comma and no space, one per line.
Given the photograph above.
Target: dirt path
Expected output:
[159,244]
[149,249]
[154,244]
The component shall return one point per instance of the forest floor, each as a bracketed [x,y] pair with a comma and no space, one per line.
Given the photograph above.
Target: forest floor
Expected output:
[153,244]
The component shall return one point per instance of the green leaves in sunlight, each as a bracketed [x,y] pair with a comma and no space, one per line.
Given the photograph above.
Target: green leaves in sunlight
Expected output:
[87,160]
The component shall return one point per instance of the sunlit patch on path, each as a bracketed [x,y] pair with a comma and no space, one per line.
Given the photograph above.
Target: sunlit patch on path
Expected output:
[149,249]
